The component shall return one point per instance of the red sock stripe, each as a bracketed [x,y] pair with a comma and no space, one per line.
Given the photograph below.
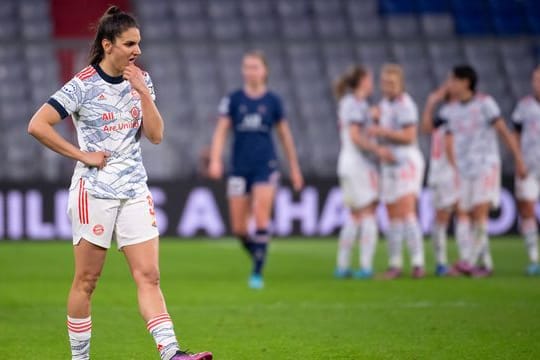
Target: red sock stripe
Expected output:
[79,327]
[81,330]
[157,320]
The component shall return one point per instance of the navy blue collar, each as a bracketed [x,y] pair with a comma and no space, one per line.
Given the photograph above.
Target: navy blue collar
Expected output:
[106,77]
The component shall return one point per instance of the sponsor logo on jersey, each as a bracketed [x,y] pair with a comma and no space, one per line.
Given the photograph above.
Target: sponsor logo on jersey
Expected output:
[108,116]
[251,122]
[122,126]
[98,230]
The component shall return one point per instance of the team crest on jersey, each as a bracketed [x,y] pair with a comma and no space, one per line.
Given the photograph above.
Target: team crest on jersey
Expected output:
[135,94]
[135,112]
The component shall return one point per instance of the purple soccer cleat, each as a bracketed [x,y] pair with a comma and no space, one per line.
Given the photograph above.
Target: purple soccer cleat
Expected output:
[461,268]
[418,272]
[181,355]
[481,272]
[392,273]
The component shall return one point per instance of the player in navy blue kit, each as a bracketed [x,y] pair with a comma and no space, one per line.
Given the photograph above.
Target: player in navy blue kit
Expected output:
[252,113]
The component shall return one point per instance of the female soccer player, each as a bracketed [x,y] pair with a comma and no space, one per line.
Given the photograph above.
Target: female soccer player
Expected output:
[443,182]
[401,180]
[252,113]
[357,171]
[526,119]
[111,102]
[473,122]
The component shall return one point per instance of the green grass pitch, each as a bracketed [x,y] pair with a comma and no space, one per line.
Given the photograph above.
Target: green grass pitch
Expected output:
[303,313]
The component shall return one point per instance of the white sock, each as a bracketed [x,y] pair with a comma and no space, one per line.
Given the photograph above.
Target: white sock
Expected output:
[394,238]
[463,239]
[485,255]
[161,328]
[347,236]
[415,242]
[480,248]
[529,229]
[80,331]
[439,243]
[368,242]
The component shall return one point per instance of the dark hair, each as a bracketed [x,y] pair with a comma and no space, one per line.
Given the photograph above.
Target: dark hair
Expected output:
[466,72]
[350,80]
[113,23]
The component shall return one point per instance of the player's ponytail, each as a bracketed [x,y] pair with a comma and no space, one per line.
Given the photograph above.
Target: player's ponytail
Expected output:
[113,23]
[349,81]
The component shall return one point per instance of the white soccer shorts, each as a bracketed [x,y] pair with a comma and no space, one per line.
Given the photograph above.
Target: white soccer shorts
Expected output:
[130,221]
[485,188]
[359,187]
[444,193]
[402,179]
[527,189]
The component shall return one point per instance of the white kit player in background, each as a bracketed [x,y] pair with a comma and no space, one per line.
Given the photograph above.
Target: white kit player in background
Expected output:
[358,172]
[112,105]
[442,180]
[401,180]
[473,122]
[526,120]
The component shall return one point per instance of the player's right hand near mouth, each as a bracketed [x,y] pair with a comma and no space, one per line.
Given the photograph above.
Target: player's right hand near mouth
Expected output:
[95,159]
[215,170]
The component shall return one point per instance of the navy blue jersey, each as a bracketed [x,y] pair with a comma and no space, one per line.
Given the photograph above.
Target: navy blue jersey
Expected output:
[252,121]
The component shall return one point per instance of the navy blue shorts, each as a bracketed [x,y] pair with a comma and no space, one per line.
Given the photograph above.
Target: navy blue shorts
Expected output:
[240,183]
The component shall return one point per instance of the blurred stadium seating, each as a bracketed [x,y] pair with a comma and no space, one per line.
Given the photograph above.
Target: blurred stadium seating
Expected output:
[192,49]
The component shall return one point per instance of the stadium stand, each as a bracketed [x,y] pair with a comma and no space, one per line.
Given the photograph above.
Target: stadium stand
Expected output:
[192,48]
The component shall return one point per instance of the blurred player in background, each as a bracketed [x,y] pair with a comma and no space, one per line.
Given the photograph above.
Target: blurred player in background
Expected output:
[401,179]
[357,171]
[473,122]
[526,120]
[252,113]
[443,181]
[108,101]
[441,176]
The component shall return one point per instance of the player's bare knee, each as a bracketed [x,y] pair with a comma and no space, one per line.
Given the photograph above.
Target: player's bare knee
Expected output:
[86,282]
[149,277]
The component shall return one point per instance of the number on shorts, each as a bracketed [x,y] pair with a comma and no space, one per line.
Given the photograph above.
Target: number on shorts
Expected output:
[151,205]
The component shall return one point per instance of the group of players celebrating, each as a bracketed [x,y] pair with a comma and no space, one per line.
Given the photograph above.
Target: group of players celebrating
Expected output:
[380,161]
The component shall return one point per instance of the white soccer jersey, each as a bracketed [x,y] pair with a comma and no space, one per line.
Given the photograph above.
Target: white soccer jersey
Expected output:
[526,119]
[352,111]
[439,167]
[475,140]
[396,114]
[107,115]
